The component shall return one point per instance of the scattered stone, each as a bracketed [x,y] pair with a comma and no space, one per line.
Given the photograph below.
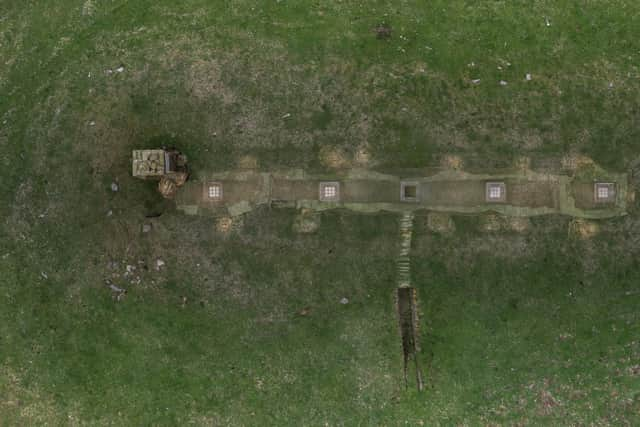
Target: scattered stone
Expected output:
[528,77]
[44,275]
[115,187]
[130,268]
[92,123]
[117,292]
[146,228]
[475,81]
[159,264]
[286,116]
[110,212]
[120,69]
[503,83]
[344,301]
[115,288]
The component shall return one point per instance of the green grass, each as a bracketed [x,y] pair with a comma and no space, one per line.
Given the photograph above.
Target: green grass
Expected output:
[505,323]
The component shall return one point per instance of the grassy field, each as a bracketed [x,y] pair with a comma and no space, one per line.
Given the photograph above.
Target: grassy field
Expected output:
[246,328]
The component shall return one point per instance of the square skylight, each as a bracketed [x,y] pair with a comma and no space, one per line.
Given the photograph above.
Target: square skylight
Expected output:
[605,192]
[329,191]
[496,192]
[215,191]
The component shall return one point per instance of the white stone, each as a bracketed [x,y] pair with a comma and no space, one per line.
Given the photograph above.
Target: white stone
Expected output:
[344,301]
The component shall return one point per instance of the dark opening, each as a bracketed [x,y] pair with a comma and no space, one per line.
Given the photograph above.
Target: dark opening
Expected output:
[408,318]
[410,191]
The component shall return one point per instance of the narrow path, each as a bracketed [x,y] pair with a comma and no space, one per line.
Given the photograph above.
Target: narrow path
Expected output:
[406,300]
[404,261]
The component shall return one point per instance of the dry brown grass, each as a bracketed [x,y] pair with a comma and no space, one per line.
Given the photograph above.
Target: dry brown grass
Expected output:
[31,405]
[518,224]
[440,223]
[224,224]
[306,222]
[491,223]
[522,163]
[334,158]
[205,80]
[248,162]
[575,161]
[362,156]
[452,161]
[583,229]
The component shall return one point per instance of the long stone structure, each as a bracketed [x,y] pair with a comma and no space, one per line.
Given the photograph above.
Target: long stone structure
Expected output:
[593,193]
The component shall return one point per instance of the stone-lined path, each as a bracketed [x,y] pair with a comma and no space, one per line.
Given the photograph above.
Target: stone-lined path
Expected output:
[404,261]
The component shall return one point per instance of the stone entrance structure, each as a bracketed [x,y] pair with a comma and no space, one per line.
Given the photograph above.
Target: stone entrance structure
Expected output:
[516,193]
